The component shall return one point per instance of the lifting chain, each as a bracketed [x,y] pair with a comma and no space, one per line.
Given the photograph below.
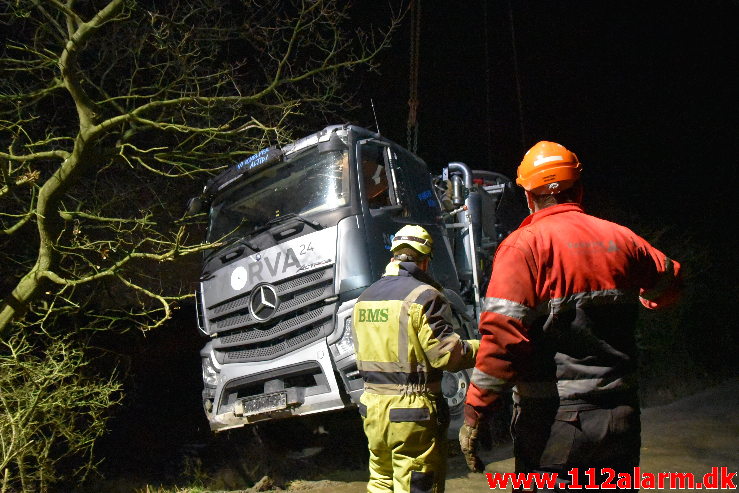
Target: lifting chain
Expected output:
[412,127]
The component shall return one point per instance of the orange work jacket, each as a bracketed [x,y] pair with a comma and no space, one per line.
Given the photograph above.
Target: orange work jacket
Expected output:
[560,311]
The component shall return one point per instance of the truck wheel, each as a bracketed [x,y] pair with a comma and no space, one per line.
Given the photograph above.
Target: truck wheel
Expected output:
[454,387]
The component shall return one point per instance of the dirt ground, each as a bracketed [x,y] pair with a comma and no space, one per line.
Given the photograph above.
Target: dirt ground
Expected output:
[689,435]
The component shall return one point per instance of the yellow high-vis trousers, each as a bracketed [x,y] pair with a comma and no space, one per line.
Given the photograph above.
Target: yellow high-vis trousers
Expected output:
[407,442]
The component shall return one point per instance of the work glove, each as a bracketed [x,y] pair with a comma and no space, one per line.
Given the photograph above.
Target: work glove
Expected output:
[468,441]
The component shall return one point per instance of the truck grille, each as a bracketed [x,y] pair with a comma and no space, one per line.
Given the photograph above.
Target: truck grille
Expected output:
[288,285]
[286,325]
[302,317]
[274,349]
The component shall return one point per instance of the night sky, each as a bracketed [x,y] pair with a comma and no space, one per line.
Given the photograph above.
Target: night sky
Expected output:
[644,92]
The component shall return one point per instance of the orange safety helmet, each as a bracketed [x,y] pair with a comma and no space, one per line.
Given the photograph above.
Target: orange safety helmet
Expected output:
[548,168]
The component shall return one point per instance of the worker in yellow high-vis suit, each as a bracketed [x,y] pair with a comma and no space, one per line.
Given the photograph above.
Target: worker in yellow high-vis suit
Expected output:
[404,339]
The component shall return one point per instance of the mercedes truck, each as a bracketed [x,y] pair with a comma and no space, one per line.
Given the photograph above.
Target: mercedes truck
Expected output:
[298,232]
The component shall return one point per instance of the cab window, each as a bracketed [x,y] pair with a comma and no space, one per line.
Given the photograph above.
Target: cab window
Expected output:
[415,188]
[374,175]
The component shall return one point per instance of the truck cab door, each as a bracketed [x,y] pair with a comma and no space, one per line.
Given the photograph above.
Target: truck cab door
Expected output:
[395,188]
[380,202]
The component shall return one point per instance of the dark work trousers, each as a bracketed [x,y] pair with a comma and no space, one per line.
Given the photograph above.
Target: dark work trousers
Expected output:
[558,440]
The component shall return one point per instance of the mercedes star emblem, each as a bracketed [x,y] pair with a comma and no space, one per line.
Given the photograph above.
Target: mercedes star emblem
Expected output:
[263,302]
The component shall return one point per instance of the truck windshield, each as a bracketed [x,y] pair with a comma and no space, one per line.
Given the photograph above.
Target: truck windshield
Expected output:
[307,183]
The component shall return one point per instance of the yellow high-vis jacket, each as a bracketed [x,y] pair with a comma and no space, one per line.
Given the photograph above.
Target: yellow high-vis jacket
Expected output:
[404,336]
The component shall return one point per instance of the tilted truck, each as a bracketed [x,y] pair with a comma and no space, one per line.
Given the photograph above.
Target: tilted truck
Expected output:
[301,231]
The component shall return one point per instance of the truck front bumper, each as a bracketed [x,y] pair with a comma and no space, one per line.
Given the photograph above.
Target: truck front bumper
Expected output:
[300,383]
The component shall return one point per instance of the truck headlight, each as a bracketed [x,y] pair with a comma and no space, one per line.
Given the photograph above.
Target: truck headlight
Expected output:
[210,373]
[345,345]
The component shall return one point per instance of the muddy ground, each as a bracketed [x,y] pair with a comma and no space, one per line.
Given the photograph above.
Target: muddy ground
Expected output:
[692,434]
[689,435]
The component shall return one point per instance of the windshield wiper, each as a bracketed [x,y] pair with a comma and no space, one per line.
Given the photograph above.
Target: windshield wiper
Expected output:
[315,224]
[207,274]
[230,242]
[280,219]
[272,222]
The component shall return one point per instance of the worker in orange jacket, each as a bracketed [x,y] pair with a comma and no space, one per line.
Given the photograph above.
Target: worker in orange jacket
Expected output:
[558,327]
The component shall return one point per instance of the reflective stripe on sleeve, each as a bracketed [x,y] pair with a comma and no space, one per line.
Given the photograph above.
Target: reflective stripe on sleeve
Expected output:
[489,382]
[526,314]
[603,297]
[509,308]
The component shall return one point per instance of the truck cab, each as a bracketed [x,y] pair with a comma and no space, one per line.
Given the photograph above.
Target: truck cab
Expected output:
[298,232]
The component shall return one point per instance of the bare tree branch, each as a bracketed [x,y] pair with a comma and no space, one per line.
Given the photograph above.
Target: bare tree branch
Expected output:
[112,117]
